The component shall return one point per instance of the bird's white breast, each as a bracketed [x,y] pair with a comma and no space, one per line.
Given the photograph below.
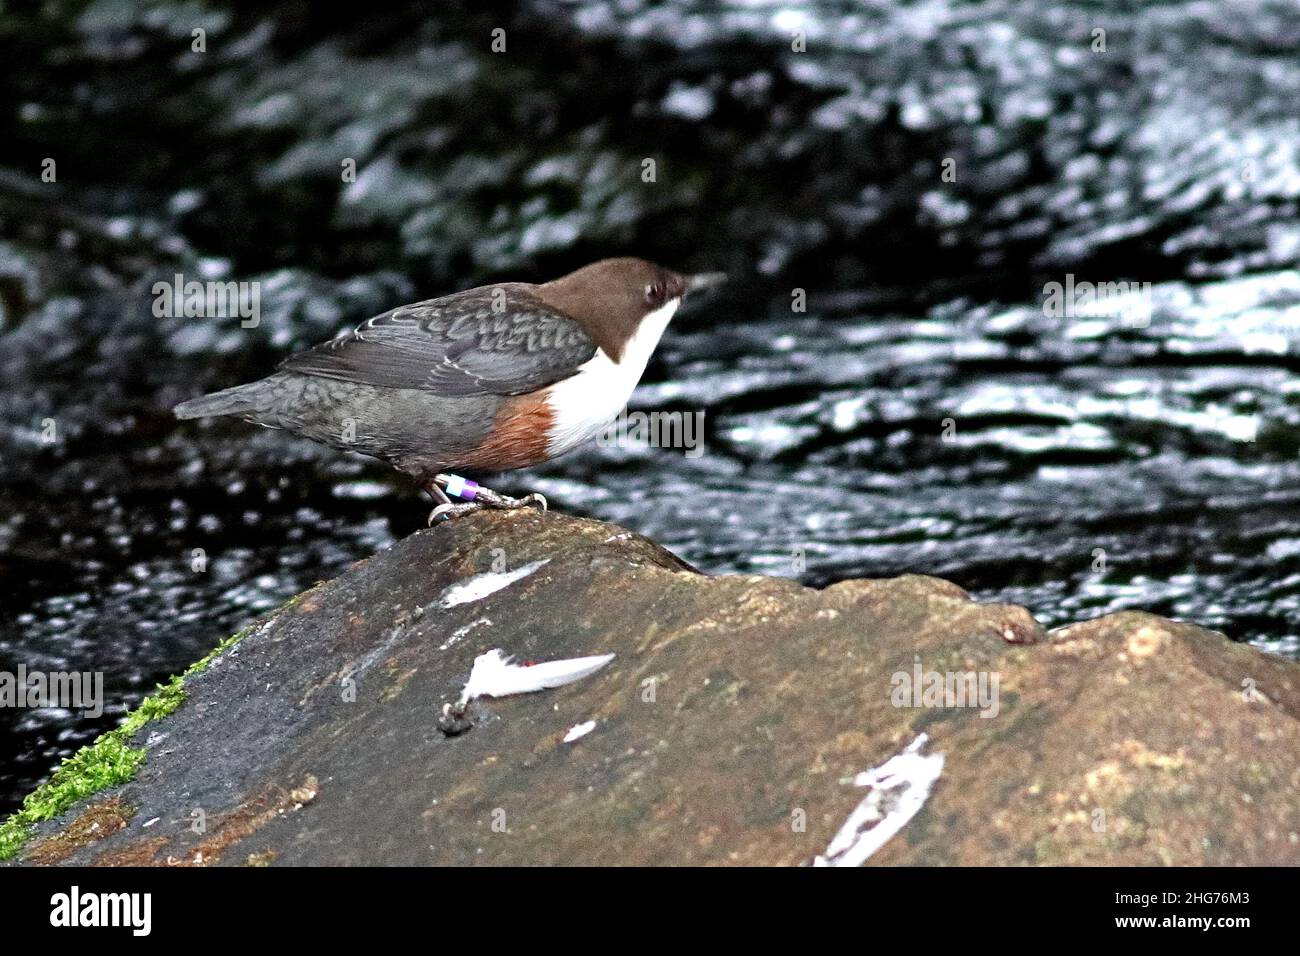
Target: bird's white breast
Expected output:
[586,402]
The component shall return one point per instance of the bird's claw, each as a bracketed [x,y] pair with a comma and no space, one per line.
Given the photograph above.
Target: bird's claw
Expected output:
[486,499]
[448,511]
[506,503]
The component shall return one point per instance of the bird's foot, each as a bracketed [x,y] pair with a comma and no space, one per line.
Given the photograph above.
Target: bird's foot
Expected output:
[448,511]
[477,497]
[495,500]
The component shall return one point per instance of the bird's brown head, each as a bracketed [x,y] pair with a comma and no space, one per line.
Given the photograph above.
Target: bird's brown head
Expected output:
[610,298]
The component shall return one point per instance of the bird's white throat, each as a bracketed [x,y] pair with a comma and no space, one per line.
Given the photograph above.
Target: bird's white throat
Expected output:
[586,402]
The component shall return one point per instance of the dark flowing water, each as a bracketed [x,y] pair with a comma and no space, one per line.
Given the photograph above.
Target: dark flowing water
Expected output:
[924,413]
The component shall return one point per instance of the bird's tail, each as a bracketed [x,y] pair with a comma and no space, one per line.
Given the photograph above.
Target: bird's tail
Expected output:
[240,400]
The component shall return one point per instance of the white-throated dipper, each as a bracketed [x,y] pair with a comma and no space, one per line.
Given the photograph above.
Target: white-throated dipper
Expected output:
[490,379]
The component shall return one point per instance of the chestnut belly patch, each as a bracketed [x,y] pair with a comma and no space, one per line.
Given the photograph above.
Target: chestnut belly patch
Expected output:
[518,438]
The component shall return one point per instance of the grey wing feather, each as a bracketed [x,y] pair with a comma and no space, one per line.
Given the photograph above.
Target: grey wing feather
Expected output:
[462,344]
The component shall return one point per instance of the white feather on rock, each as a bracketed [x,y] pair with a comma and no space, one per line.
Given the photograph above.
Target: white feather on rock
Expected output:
[496,675]
[898,788]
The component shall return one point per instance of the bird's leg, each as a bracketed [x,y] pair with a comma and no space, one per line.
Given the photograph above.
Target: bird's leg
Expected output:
[475,495]
[445,509]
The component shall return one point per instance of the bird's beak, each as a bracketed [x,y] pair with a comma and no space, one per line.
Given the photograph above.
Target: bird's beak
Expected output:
[704,280]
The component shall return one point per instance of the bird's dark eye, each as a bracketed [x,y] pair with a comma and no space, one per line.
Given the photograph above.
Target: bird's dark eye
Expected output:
[654,292]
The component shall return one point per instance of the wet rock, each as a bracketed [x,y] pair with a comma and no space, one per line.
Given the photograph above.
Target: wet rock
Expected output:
[1169,155]
[744,720]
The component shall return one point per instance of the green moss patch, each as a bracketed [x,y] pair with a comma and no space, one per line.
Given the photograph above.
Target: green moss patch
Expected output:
[107,762]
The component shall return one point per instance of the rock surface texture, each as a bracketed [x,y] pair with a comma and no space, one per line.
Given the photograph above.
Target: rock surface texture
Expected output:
[728,729]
